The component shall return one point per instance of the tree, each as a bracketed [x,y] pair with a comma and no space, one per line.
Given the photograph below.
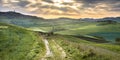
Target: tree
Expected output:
[117,40]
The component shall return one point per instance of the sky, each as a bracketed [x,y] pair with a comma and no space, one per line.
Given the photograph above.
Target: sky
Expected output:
[64,8]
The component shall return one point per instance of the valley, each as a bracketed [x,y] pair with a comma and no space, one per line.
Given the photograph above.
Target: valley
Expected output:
[27,37]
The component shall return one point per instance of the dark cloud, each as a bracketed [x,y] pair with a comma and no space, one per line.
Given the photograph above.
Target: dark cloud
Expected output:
[115,7]
[70,4]
[0,0]
[23,3]
[20,3]
[94,2]
[64,9]
[45,6]
[89,3]
[113,4]
[36,5]
[97,1]
[49,1]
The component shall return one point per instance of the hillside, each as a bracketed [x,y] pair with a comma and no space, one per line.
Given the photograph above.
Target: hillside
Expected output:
[17,43]
[24,37]
[107,28]
[33,21]
[109,31]
[79,49]
[19,19]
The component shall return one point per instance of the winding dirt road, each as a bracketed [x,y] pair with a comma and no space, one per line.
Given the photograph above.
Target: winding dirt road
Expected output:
[60,49]
[48,51]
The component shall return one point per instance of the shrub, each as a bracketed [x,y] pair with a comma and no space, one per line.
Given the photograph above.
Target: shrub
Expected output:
[117,41]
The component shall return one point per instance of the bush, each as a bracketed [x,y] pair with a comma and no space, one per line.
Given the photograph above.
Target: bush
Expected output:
[117,41]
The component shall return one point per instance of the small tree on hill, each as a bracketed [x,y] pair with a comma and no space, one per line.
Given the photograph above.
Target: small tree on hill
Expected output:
[117,40]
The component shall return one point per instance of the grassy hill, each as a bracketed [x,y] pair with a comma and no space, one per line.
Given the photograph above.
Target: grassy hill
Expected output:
[96,29]
[17,43]
[73,39]
[79,49]
[67,26]
[110,31]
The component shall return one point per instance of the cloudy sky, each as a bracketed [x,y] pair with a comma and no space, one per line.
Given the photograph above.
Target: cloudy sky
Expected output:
[64,8]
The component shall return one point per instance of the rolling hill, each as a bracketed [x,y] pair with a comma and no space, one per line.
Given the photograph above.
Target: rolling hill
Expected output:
[25,37]
[17,43]
[107,28]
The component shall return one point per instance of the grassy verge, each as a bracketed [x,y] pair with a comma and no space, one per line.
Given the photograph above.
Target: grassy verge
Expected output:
[78,49]
[17,43]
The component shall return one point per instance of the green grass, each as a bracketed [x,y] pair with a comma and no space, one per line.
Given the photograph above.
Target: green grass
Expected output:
[91,28]
[68,27]
[78,49]
[94,29]
[17,43]
[109,31]
[57,50]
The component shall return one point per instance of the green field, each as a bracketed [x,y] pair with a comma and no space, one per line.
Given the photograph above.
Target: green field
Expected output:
[78,49]
[64,26]
[109,31]
[17,43]
[23,39]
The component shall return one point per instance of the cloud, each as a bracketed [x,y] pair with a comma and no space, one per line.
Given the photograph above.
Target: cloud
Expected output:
[108,5]
[93,3]
[115,7]
[79,8]
[0,2]
[97,1]
[49,1]
[23,3]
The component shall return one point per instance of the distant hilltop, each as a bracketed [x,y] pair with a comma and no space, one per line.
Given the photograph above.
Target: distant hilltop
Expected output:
[13,14]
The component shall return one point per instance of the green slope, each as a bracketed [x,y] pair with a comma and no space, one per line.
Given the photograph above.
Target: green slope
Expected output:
[88,28]
[78,49]
[17,43]
[109,32]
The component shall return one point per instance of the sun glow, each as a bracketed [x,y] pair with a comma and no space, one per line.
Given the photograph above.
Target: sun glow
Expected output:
[63,8]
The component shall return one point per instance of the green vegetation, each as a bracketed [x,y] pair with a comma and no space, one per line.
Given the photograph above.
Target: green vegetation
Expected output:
[101,28]
[108,31]
[58,52]
[88,28]
[117,41]
[78,49]
[67,39]
[17,43]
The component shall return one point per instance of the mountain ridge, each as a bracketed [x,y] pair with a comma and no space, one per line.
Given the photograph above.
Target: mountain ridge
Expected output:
[12,14]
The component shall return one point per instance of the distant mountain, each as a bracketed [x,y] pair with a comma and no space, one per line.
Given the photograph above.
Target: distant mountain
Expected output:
[110,18]
[28,21]
[19,19]
[12,15]
[33,21]
[117,19]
